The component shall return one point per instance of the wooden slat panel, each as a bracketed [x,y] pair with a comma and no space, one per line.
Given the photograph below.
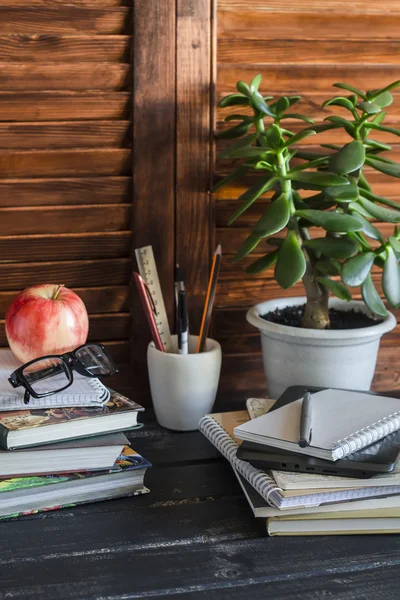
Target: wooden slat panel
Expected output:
[38,47]
[109,327]
[303,6]
[64,134]
[65,219]
[55,3]
[63,20]
[252,24]
[193,149]
[265,51]
[61,163]
[106,299]
[66,246]
[84,190]
[52,105]
[66,76]
[77,273]
[300,79]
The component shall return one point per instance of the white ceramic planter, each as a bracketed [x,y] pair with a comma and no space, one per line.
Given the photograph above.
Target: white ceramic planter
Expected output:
[326,358]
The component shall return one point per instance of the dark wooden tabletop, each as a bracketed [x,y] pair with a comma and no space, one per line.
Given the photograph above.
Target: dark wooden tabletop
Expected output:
[193,536]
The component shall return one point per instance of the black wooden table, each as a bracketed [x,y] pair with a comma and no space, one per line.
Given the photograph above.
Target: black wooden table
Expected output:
[193,536]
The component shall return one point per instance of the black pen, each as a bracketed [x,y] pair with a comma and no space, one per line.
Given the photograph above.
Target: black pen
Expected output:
[305,421]
[182,324]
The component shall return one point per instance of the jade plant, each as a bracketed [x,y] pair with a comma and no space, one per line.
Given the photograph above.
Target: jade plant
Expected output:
[318,226]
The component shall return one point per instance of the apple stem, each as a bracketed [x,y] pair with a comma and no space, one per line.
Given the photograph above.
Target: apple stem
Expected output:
[58,291]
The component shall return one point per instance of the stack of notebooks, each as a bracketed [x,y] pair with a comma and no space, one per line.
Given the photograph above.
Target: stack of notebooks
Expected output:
[347,481]
[65,449]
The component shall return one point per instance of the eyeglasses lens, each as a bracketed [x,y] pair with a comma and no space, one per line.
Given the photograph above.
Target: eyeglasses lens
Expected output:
[47,375]
[95,360]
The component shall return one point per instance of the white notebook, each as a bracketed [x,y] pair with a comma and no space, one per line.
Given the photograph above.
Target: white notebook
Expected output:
[265,485]
[84,391]
[342,423]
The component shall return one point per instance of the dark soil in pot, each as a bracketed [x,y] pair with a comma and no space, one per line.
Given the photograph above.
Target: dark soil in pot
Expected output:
[340,319]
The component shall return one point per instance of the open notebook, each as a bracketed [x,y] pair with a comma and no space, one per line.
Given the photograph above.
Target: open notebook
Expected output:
[84,391]
[342,423]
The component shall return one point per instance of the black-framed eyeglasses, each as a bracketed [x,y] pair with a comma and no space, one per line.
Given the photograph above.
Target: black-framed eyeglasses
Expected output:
[53,373]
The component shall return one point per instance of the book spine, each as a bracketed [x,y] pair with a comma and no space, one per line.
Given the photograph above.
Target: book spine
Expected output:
[260,481]
[3,437]
[367,436]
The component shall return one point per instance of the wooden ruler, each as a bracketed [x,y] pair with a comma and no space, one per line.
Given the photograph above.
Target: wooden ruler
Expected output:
[148,271]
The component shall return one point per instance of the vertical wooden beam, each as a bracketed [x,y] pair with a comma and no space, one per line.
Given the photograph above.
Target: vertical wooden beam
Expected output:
[194,95]
[154,128]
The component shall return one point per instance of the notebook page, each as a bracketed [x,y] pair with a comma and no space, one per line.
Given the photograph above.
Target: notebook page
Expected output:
[84,391]
[335,415]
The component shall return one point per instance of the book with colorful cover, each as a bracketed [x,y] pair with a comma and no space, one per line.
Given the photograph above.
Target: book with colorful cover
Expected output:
[24,428]
[27,495]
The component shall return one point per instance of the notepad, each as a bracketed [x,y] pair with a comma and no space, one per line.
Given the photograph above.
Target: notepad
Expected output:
[84,391]
[342,423]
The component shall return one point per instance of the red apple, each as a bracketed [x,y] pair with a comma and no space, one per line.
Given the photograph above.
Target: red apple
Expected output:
[46,319]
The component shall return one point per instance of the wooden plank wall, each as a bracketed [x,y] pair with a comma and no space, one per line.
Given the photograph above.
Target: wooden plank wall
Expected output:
[65,156]
[300,47]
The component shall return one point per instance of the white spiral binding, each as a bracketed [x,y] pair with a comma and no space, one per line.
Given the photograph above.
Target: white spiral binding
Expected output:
[260,481]
[364,437]
[100,389]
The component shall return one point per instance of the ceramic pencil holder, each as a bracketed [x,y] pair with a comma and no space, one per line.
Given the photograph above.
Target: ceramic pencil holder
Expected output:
[184,386]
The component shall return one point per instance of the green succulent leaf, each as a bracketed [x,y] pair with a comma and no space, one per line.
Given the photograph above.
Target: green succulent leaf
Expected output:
[368,194]
[372,125]
[367,227]
[383,100]
[341,122]
[342,193]
[337,289]
[333,247]
[298,137]
[242,143]
[329,266]
[275,218]
[349,158]
[248,246]
[355,270]
[299,117]
[339,101]
[379,212]
[276,242]
[326,127]
[363,183]
[251,196]
[263,263]
[372,298]
[350,88]
[273,135]
[389,87]
[291,264]
[237,117]
[330,221]
[255,84]
[310,164]
[391,278]
[369,107]
[281,105]
[259,104]
[320,179]
[248,152]
[243,88]
[395,243]
[377,145]
[234,132]
[234,100]
[389,168]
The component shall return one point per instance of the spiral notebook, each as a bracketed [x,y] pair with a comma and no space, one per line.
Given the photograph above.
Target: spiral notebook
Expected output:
[84,391]
[218,430]
[342,423]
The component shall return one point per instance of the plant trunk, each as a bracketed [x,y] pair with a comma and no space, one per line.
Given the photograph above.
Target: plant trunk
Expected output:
[316,314]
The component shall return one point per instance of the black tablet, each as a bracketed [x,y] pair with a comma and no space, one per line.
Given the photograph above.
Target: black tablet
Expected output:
[379,457]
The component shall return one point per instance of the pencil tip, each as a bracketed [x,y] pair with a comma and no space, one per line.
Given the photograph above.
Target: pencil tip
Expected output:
[219,249]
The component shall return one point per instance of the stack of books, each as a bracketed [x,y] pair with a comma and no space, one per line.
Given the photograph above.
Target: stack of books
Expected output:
[71,451]
[361,430]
